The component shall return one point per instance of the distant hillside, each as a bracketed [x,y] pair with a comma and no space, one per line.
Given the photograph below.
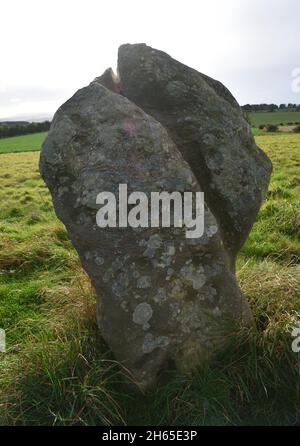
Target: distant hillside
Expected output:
[14,122]
[264,108]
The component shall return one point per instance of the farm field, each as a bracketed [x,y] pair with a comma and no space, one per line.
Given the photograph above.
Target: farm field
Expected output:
[57,370]
[22,143]
[277,118]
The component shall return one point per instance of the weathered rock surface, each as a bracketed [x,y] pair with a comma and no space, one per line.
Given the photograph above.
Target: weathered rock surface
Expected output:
[161,297]
[208,126]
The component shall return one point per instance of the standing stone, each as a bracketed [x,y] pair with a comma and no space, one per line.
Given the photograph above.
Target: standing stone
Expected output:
[208,127]
[162,298]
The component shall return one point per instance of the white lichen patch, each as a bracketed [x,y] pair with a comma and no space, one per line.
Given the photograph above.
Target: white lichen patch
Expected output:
[170,272]
[62,190]
[193,275]
[143,282]
[107,276]
[161,296]
[211,231]
[142,315]
[217,312]
[165,260]
[99,260]
[177,292]
[151,245]
[118,263]
[171,250]
[151,342]
[153,242]
[124,306]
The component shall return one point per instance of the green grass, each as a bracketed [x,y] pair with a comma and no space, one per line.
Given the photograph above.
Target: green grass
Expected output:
[25,143]
[57,370]
[279,117]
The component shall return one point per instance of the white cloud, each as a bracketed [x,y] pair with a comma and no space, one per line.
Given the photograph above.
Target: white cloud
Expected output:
[64,44]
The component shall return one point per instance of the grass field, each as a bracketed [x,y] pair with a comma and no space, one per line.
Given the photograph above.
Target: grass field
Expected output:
[22,143]
[57,370]
[280,117]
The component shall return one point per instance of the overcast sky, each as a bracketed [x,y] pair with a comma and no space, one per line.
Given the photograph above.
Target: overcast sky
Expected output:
[49,49]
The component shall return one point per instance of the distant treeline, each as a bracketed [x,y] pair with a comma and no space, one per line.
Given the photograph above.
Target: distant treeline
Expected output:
[22,128]
[270,107]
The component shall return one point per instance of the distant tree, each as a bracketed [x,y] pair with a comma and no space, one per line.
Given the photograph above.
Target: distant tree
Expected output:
[273,107]
[247,108]
[15,129]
